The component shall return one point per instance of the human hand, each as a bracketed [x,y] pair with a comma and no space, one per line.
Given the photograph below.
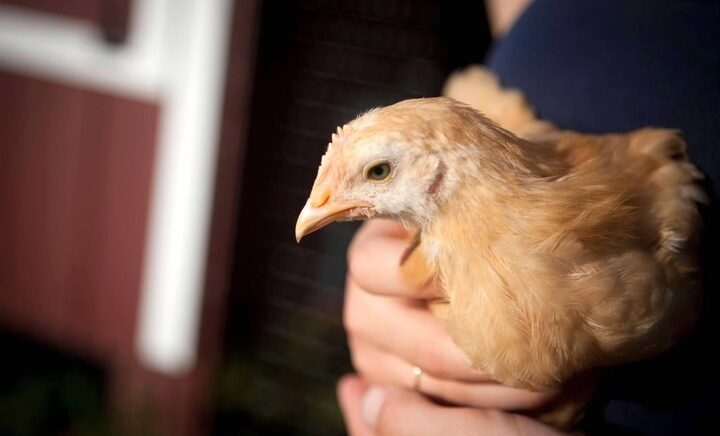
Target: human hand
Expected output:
[382,410]
[391,331]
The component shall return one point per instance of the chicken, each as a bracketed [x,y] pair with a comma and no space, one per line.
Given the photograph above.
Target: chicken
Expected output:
[559,252]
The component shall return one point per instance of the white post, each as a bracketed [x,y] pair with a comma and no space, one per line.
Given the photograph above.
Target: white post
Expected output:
[174,273]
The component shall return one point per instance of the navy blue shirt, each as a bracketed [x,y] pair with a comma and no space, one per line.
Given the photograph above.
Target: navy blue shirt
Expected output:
[616,65]
[612,66]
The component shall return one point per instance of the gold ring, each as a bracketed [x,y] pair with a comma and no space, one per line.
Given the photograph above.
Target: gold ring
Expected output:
[417,375]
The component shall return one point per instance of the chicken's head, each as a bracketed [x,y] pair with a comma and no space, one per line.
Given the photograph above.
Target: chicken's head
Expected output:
[386,163]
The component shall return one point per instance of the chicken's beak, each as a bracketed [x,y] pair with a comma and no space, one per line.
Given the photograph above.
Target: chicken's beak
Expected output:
[321,213]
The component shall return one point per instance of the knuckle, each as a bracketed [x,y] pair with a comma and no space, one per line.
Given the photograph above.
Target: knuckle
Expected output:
[361,363]
[358,362]
[350,321]
[350,316]
[356,268]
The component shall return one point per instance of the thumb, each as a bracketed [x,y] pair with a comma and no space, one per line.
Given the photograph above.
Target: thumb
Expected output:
[397,412]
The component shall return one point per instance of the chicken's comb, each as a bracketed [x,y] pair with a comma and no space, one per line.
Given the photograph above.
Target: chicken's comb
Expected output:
[341,135]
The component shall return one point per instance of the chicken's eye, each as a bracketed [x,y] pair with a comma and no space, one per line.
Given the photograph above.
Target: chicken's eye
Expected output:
[379,171]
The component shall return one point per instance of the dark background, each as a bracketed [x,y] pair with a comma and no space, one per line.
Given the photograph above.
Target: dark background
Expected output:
[320,64]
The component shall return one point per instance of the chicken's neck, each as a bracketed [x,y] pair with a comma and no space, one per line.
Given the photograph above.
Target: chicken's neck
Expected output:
[469,219]
[490,191]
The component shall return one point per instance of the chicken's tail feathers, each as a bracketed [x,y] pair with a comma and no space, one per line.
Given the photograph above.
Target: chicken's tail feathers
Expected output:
[675,196]
[480,88]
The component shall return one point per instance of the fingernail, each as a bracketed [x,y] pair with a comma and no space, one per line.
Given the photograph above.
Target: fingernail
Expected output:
[372,403]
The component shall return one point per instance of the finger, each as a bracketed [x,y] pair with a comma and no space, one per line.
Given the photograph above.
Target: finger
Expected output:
[397,412]
[387,227]
[350,391]
[380,367]
[374,261]
[417,336]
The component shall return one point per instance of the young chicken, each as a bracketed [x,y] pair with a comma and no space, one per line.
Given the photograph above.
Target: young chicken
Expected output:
[557,255]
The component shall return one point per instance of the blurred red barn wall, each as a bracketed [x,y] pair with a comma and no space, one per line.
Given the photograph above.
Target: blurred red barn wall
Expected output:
[75,174]
[76,171]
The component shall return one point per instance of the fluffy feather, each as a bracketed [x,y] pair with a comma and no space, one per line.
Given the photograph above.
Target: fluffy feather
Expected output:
[623,252]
